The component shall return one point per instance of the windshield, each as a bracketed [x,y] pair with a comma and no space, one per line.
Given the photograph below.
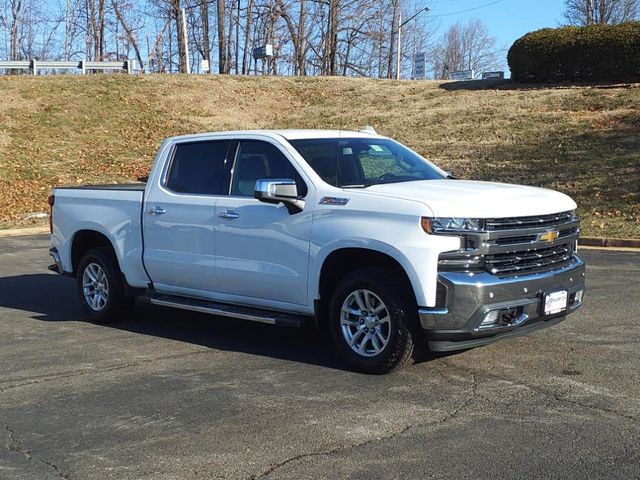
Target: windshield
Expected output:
[362,162]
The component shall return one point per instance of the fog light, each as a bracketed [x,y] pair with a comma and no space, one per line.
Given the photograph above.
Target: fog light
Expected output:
[490,319]
[578,297]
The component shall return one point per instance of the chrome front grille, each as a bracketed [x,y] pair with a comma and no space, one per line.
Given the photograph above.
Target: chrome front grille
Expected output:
[529,261]
[518,245]
[532,238]
[517,223]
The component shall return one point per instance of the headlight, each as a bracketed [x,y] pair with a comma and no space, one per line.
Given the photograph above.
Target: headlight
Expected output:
[447,224]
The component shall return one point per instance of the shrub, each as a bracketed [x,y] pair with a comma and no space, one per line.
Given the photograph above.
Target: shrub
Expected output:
[593,53]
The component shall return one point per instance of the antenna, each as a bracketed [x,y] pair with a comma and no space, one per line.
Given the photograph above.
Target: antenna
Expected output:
[369,129]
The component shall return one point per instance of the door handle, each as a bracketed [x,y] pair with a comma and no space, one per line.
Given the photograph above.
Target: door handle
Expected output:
[229,214]
[157,210]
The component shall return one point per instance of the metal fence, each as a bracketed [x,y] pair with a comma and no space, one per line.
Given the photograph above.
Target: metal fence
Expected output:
[84,66]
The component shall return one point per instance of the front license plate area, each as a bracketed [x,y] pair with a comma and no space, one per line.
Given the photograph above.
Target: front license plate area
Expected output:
[555,302]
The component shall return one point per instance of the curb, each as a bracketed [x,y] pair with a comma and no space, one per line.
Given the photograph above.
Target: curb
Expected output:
[19,232]
[609,242]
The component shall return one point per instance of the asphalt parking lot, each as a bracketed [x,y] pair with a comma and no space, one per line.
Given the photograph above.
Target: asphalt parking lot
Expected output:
[175,395]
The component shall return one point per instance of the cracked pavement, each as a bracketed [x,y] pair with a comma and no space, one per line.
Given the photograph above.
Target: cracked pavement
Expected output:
[170,394]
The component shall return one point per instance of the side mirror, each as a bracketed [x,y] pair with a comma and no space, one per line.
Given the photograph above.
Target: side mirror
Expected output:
[279,190]
[451,175]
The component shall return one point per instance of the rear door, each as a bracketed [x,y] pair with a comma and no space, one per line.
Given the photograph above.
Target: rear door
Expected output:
[179,218]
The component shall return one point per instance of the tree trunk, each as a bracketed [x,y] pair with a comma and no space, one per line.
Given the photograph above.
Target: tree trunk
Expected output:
[604,12]
[590,19]
[230,37]
[392,39]
[67,31]
[237,42]
[270,25]
[333,35]
[300,57]
[91,28]
[16,7]
[222,38]
[206,44]
[181,34]
[99,33]
[246,52]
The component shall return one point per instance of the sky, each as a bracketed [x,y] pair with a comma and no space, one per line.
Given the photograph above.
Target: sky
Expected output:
[506,20]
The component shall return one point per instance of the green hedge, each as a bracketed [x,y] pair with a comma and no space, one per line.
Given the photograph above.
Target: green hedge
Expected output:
[593,53]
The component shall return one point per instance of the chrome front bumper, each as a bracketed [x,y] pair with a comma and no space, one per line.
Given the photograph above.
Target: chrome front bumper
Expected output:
[469,297]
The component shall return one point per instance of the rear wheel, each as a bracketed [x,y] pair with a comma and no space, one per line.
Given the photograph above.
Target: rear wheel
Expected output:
[373,323]
[101,287]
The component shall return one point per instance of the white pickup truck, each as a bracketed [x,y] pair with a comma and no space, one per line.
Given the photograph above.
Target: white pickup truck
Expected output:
[345,230]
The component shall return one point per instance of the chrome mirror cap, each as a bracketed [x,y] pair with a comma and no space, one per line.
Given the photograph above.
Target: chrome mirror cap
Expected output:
[279,190]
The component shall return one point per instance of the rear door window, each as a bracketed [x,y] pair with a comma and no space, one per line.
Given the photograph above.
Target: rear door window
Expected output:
[198,167]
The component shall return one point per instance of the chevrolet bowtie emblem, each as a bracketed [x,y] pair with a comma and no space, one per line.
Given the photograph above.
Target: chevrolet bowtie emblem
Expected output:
[549,236]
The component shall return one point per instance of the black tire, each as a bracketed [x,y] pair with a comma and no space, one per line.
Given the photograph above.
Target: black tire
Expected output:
[117,302]
[405,341]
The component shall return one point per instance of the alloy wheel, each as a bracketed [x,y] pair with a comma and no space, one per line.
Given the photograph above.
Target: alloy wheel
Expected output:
[365,323]
[95,287]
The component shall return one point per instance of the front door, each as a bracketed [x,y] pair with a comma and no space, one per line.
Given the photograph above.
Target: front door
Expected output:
[262,251]
[179,218]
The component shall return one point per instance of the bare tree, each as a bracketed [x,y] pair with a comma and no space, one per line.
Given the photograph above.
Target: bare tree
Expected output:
[589,12]
[297,31]
[246,59]
[395,12]
[129,32]
[94,31]
[16,19]
[206,41]
[465,46]
[172,31]
[29,29]
[99,31]
[223,64]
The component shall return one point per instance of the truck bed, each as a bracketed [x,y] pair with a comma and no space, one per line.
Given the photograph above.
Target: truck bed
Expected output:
[130,187]
[112,210]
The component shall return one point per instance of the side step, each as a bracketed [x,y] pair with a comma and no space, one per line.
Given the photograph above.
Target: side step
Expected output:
[227,310]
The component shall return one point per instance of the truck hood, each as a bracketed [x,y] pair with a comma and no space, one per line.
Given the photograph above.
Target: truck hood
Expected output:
[472,199]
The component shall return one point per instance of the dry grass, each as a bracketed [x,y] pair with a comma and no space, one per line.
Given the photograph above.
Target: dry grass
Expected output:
[71,129]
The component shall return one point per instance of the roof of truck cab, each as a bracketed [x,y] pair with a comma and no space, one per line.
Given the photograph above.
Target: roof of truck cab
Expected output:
[309,134]
[299,134]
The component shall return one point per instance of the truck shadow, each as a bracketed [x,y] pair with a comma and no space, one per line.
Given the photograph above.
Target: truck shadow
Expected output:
[53,299]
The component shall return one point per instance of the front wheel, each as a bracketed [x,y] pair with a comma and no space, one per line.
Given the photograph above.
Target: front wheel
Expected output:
[101,287]
[372,321]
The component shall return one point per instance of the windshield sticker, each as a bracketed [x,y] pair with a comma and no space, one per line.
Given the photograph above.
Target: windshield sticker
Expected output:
[333,201]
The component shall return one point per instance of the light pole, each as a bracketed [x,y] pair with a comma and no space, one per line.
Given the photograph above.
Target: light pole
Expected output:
[400,25]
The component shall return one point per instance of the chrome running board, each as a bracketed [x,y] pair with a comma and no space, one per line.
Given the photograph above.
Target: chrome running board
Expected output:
[227,310]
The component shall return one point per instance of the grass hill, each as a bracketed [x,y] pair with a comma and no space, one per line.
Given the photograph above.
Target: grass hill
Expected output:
[584,141]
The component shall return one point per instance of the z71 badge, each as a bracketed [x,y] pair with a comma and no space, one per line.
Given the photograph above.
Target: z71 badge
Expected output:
[333,201]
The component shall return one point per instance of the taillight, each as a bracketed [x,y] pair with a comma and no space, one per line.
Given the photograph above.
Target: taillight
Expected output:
[51,200]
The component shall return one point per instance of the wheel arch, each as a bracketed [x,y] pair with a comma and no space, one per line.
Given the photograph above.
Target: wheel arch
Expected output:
[87,239]
[344,260]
